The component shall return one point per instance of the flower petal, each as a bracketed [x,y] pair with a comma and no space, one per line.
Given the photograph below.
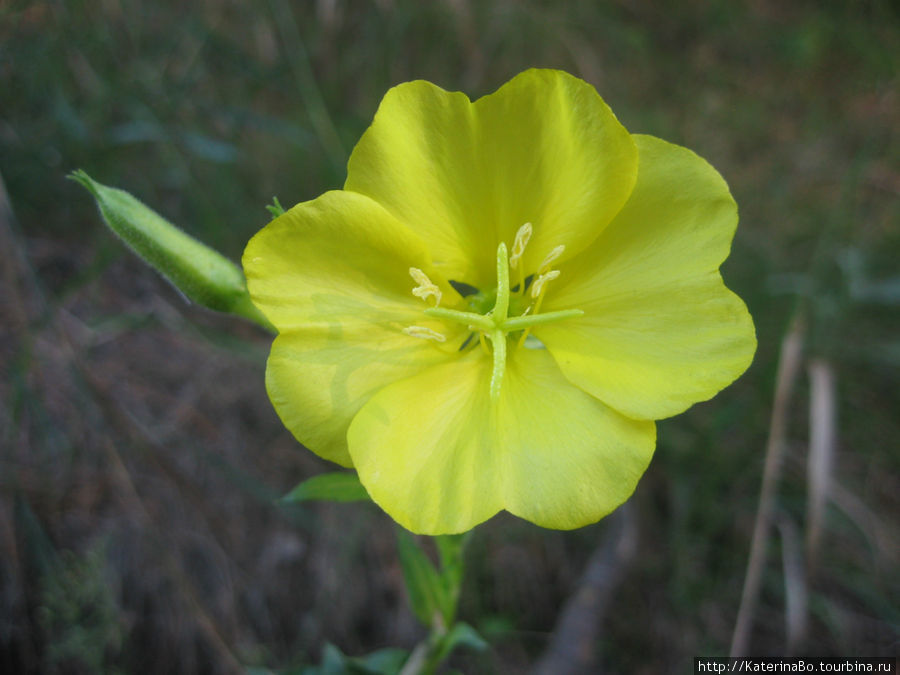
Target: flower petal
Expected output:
[660,330]
[546,451]
[318,379]
[544,149]
[333,276]
[340,258]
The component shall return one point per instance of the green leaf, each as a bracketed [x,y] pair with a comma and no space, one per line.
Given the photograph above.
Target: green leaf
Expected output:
[432,592]
[388,661]
[461,635]
[333,661]
[339,486]
[201,273]
[424,585]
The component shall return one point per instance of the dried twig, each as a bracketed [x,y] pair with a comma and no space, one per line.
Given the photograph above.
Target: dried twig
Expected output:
[822,439]
[788,368]
[571,648]
[796,588]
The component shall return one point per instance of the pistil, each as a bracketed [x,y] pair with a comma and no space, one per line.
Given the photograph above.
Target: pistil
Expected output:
[496,325]
[498,341]
[501,307]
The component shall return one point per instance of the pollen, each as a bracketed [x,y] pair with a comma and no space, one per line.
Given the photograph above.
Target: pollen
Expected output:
[426,287]
[523,235]
[551,258]
[424,333]
[537,288]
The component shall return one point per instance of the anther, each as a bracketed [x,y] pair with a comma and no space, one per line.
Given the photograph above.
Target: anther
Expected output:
[424,333]
[521,241]
[426,287]
[551,258]
[538,286]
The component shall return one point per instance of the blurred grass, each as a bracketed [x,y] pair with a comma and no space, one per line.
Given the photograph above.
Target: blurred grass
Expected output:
[207,112]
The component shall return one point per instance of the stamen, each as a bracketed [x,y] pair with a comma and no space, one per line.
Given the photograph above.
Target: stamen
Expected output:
[551,258]
[523,236]
[521,241]
[537,288]
[426,287]
[424,333]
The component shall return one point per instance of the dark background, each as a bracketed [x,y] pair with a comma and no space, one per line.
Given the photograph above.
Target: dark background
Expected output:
[141,459]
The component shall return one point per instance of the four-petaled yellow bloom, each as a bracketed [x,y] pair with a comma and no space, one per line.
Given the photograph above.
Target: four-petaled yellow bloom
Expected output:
[499,303]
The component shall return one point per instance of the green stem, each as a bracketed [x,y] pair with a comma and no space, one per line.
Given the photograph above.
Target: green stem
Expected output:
[501,306]
[243,307]
[498,341]
[426,656]
[434,596]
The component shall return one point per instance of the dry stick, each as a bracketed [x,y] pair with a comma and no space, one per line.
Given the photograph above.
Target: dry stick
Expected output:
[788,368]
[881,537]
[415,664]
[822,440]
[796,588]
[571,648]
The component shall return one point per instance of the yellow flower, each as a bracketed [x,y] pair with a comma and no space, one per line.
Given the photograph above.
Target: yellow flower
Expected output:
[499,303]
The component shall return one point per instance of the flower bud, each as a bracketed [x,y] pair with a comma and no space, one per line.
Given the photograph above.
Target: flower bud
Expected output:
[202,274]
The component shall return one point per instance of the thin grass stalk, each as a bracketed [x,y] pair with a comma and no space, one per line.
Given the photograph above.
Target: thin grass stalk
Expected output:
[796,586]
[578,630]
[789,362]
[820,466]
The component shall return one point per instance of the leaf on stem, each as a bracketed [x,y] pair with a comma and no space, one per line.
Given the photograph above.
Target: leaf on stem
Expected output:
[424,584]
[461,635]
[338,486]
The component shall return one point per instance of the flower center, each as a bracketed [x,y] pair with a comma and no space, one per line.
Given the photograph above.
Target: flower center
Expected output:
[503,312]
